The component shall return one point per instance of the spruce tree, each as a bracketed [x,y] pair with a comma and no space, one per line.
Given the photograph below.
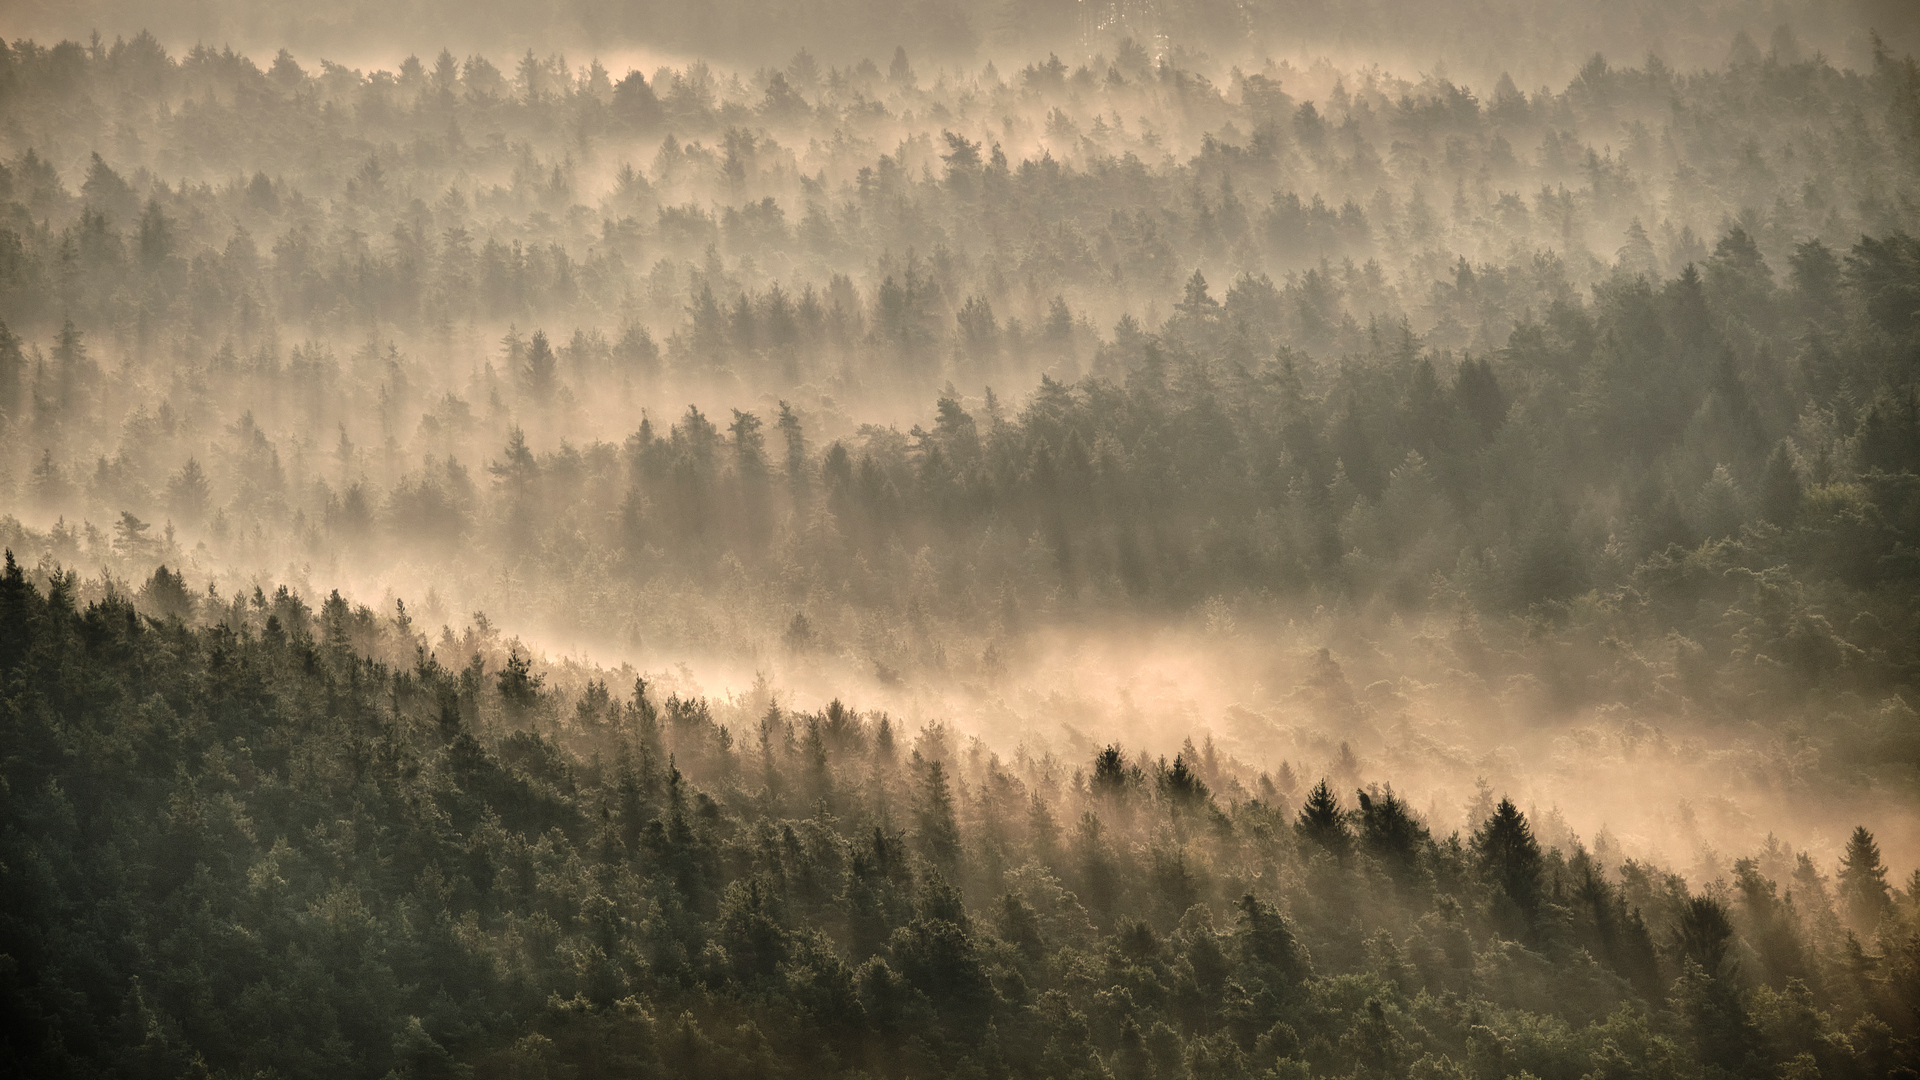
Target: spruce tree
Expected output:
[1510,858]
[1864,896]
[1323,822]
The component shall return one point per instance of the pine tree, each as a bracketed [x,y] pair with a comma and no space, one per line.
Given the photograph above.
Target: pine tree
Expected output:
[1181,786]
[634,102]
[540,374]
[1390,832]
[1510,859]
[1323,822]
[1862,885]
[1268,948]
[519,686]
[938,834]
[796,441]
[1110,773]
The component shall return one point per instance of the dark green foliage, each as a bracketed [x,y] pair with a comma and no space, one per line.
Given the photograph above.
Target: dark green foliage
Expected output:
[1389,831]
[1267,944]
[938,835]
[1181,786]
[1612,931]
[1886,271]
[517,683]
[1509,858]
[1322,822]
[279,853]
[1110,777]
[1703,936]
[166,593]
[1863,882]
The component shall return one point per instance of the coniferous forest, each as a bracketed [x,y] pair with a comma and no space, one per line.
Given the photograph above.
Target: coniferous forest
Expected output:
[960,539]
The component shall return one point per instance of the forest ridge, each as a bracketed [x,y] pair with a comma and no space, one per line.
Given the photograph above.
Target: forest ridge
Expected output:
[329,864]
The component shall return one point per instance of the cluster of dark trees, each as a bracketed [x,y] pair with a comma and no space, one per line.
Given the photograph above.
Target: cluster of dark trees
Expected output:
[270,839]
[1715,466]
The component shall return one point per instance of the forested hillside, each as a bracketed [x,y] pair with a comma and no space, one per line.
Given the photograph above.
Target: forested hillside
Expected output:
[1193,559]
[256,847]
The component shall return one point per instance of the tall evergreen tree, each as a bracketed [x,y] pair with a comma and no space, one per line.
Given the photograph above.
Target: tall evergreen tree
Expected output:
[1862,883]
[1510,859]
[1322,821]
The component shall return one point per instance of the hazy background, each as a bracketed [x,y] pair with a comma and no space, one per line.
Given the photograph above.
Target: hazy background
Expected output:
[1536,42]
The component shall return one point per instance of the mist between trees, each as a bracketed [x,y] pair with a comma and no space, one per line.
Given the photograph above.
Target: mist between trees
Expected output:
[330,860]
[706,571]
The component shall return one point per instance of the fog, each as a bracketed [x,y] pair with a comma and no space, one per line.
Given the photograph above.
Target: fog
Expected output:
[1454,404]
[1476,41]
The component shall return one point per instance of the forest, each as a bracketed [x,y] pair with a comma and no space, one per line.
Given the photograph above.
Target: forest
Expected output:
[1117,540]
